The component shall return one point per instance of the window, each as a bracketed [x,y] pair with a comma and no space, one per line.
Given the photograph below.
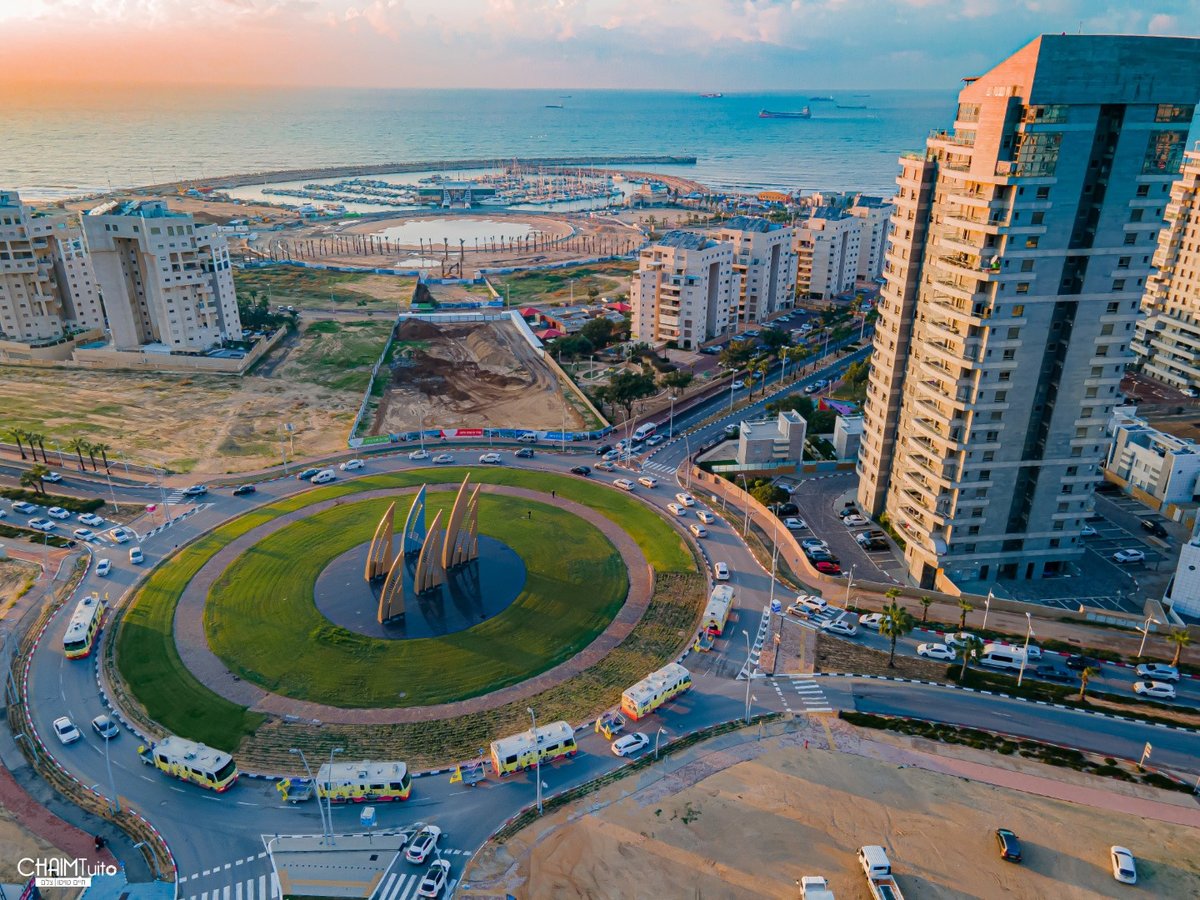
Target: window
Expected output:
[1001,396]
[1131,239]
[1018,311]
[1164,152]
[1136,215]
[1014,333]
[1123,262]
[1023,287]
[1174,112]
[1043,192]
[1119,284]
[1031,242]
[1143,190]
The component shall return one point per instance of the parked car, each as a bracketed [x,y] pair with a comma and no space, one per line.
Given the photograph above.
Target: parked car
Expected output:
[676,509]
[443,459]
[418,455]
[1077,662]
[423,844]
[705,516]
[1157,672]
[813,543]
[196,490]
[1159,690]
[103,567]
[1128,556]
[1087,531]
[89,519]
[1124,869]
[721,571]
[827,567]
[57,512]
[1009,845]
[325,476]
[1053,673]
[22,506]
[624,484]
[105,727]
[816,556]
[603,448]
[648,481]
[491,459]
[936,651]
[1154,527]
[307,474]
[793,524]
[629,744]
[435,879]
[121,535]
[52,477]
[581,470]
[524,453]
[698,530]
[685,498]
[784,510]
[854,520]
[351,464]
[243,489]
[66,731]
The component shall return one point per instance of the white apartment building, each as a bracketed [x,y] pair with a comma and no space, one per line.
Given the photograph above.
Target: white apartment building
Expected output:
[874,214]
[684,290]
[166,281]
[827,253]
[46,286]
[765,261]
[1167,341]
[1183,593]
[772,441]
[1018,255]
[1162,465]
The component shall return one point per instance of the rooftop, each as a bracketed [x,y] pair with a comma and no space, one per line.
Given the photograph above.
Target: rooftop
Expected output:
[685,240]
[144,209]
[828,212]
[751,223]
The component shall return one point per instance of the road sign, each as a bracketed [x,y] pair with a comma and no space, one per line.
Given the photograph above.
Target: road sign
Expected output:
[1145,754]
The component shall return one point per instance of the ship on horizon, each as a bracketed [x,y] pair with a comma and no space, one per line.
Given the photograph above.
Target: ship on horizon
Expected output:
[826,98]
[712,95]
[804,113]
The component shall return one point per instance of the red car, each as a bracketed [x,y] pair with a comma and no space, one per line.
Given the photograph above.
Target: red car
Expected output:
[827,567]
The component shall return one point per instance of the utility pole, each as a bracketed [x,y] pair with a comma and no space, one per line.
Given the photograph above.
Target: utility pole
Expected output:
[538,759]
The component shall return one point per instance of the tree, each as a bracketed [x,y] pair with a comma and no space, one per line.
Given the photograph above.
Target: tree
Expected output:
[1084,677]
[1180,638]
[759,367]
[896,623]
[970,649]
[766,492]
[794,354]
[925,602]
[32,438]
[572,345]
[892,593]
[676,382]
[593,292]
[627,388]
[91,452]
[598,331]
[736,354]
[34,477]
[775,339]
[79,445]
[965,607]
[102,449]
[601,395]
[18,435]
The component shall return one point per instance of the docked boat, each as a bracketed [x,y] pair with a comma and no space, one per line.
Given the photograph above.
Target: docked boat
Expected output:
[804,113]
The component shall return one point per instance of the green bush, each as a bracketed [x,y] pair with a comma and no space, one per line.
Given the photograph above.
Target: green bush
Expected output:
[72,504]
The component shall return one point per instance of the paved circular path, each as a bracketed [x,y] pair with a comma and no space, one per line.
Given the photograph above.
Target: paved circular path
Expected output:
[207,667]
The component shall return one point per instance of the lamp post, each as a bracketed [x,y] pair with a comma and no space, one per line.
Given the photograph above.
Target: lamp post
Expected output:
[153,859]
[329,791]
[1145,630]
[658,735]
[774,557]
[1025,654]
[537,759]
[987,607]
[295,751]
[731,384]
[746,526]
[116,800]
[746,635]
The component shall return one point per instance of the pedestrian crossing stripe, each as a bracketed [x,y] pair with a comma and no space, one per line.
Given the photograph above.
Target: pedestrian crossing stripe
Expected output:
[403,887]
[261,888]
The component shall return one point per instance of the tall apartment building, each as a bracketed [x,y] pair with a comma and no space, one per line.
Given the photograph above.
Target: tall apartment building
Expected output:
[827,251]
[1167,340]
[46,284]
[874,214]
[165,280]
[765,261]
[1020,246]
[684,290]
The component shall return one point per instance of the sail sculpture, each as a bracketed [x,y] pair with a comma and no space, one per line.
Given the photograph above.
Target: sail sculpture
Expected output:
[391,598]
[429,574]
[379,557]
[462,531]
[414,525]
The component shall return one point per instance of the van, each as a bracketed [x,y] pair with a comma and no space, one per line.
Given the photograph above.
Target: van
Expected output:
[324,477]
[135,556]
[529,437]
[874,861]
[1000,656]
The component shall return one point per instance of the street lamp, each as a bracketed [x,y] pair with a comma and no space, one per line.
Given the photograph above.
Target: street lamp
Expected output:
[746,526]
[987,607]
[1145,630]
[659,734]
[1025,654]
[116,800]
[153,858]
[537,759]
[850,583]
[329,791]
[746,635]
[774,557]
[295,751]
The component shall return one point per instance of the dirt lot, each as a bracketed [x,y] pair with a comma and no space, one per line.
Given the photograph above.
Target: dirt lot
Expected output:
[749,819]
[312,290]
[16,577]
[470,376]
[16,843]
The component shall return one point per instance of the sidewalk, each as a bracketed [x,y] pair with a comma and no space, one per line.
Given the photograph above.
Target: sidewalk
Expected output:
[35,817]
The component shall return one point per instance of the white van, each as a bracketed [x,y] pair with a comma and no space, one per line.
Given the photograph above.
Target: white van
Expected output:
[874,861]
[135,556]
[324,477]
[1002,656]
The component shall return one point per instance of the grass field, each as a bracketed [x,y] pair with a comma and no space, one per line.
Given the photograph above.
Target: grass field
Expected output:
[553,285]
[308,289]
[261,610]
[150,665]
[337,355]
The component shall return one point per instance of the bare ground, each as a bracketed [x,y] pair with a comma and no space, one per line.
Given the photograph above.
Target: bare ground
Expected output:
[470,376]
[16,577]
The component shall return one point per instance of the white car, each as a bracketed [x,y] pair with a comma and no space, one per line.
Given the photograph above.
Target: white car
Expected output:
[84,534]
[66,730]
[423,844]
[936,651]
[813,543]
[121,535]
[624,484]
[611,456]
[325,476]
[721,571]
[1157,672]
[1087,531]
[1123,867]
[793,524]
[90,519]
[418,455]
[685,498]
[854,520]
[959,638]
[490,459]
[136,557]
[443,459]
[103,567]
[698,530]
[648,481]
[1128,556]
[435,879]
[41,524]
[676,509]
[1157,689]
[629,744]
[57,512]
[841,626]
[654,440]
[813,602]
[105,727]
[738,385]
[351,464]
[705,516]
[52,477]
[871,621]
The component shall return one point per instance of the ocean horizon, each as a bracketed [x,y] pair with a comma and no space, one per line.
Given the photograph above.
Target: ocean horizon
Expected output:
[59,144]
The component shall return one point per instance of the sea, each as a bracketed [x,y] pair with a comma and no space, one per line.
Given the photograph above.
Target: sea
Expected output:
[57,144]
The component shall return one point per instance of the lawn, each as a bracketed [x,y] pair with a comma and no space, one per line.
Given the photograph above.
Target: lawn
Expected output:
[150,665]
[553,285]
[317,289]
[261,611]
[337,355]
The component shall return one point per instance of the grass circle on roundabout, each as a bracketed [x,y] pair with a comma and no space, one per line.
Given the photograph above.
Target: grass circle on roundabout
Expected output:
[261,619]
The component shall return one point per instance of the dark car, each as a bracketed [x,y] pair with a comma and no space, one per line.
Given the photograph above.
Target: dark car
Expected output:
[603,448]
[581,470]
[524,453]
[307,474]
[243,489]
[787,509]
[1077,662]
[1009,845]
[1053,673]
[1155,528]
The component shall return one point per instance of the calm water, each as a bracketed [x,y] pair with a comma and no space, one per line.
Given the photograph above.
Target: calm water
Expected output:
[53,145]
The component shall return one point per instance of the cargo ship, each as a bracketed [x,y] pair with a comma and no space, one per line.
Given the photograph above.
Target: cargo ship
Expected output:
[804,113]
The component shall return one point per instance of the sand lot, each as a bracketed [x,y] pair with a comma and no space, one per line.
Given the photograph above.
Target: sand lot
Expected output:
[470,375]
[747,820]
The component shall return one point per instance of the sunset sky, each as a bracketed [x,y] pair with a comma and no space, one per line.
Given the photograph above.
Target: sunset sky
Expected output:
[687,44]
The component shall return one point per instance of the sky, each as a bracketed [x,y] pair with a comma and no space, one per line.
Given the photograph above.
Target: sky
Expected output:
[693,45]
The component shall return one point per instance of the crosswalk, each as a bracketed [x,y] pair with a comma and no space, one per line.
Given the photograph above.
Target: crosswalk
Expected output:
[811,698]
[657,467]
[262,887]
[403,887]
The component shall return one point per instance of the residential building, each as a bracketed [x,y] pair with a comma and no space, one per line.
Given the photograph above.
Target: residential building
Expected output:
[827,252]
[1183,593]
[166,281]
[46,286]
[772,441]
[764,259]
[684,290]
[1167,341]
[1019,250]
[874,215]
[847,436]
[1160,465]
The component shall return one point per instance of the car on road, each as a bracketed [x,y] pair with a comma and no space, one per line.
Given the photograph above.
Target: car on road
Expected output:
[325,476]
[654,440]
[624,484]
[936,651]
[1124,869]
[827,567]
[676,509]
[648,481]
[351,464]
[529,437]
[721,571]
[243,489]
[738,385]
[1049,672]
[603,448]
[105,727]
[960,638]
[491,459]
[103,567]
[581,470]
[52,477]
[1077,662]
[611,456]
[1154,527]
[196,490]
[731,430]
[842,626]
[1157,672]
[307,474]
[121,535]
[423,844]
[685,498]
[871,621]
[1009,845]
[443,459]
[705,516]
[419,455]
[813,602]
[854,520]
[57,512]
[22,506]
[629,744]
[793,524]
[524,453]
[135,556]
[698,530]
[66,731]
[435,879]
[84,534]
[1128,556]
[41,524]
[605,466]
[1159,690]
[1087,531]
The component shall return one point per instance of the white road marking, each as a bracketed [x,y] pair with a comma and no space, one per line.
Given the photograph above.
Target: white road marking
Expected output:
[238,891]
[262,887]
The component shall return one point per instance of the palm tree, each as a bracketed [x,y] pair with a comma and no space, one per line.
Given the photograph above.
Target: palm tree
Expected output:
[79,445]
[41,439]
[971,648]
[1180,638]
[760,367]
[31,438]
[18,435]
[1084,677]
[966,607]
[91,452]
[892,593]
[102,449]
[896,623]
[34,477]
[925,602]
